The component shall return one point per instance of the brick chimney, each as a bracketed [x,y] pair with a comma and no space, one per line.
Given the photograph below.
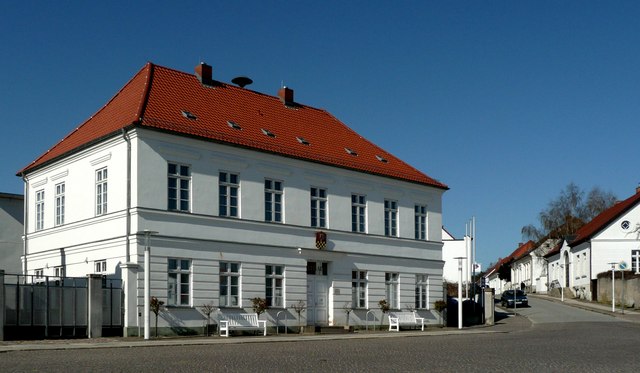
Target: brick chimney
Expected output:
[638,189]
[204,73]
[286,95]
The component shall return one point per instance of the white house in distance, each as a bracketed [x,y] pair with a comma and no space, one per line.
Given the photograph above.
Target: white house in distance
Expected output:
[530,268]
[251,195]
[11,229]
[611,237]
[455,248]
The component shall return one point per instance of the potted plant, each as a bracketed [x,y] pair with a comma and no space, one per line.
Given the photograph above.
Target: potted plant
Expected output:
[156,305]
[440,306]
[259,305]
[207,309]
[384,307]
[299,308]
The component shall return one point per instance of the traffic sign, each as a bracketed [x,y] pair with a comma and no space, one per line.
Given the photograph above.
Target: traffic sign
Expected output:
[623,265]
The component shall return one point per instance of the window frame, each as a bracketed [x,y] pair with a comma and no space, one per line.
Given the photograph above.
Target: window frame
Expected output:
[100,266]
[392,289]
[273,200]
[390,218]
[422,293]
[271,290]
[225,192]
[58,271]
[178,272]
[59,203]
[226,277]
[420,221]
[359,289]
[318,205]
[178,202]
[358,213]
[635,261]
[39,206]
[102,183]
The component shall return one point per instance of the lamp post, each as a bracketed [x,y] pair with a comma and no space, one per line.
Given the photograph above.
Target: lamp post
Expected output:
[613,286]
[147,283]
[460,258]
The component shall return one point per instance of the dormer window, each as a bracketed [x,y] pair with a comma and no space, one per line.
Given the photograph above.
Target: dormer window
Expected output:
[302,140]
[234,125]
[351,152]
[189,115]
[381,159]
[268,133]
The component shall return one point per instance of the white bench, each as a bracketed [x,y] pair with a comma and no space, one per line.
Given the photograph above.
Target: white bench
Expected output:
[241,321]
[404,318]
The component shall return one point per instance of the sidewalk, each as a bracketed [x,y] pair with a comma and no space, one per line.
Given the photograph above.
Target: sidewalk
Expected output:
[504,325]
[630,315]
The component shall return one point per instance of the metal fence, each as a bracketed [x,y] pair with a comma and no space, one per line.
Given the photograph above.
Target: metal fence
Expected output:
[56,307]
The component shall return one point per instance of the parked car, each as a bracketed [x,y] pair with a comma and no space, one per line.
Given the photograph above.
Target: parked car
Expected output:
[507,299]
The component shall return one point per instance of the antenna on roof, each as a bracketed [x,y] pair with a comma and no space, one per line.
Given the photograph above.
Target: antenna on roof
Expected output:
[241,81]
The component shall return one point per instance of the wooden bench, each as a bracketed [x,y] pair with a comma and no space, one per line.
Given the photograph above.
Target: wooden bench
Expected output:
[404,318]
[241,321]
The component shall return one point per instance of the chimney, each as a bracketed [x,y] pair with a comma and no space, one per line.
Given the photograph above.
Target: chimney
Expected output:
[638,189]
[204,73]
[286,95]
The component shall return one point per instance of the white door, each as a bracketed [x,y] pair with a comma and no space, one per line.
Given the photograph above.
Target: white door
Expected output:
[317,294]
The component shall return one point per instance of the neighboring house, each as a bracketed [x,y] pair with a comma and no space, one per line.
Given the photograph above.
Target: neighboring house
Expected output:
[530,268]
[11,230]
[453,248]
[611,237]
[519,269]
[251,195]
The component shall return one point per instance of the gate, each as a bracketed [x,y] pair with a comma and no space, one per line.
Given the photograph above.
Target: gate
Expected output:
[57,307]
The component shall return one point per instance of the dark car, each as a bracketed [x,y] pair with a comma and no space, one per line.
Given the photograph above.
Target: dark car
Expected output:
[507,299]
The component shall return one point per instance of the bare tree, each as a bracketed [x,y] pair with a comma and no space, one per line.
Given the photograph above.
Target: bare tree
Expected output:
[568,213]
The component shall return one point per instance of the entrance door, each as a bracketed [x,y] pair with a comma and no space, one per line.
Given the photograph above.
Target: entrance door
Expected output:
[317,293]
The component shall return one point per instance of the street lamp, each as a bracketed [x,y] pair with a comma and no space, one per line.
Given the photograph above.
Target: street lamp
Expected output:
[460,258]
[613,286]
[147,282]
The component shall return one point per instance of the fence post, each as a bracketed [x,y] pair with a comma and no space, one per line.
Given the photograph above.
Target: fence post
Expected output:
[130,289]
[2,307]
[94,308]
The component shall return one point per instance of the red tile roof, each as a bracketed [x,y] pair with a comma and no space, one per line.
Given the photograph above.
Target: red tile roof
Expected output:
[604,219]
[156,97]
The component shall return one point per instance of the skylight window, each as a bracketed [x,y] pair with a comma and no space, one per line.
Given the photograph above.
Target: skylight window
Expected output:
[268,133]
[302,140]
[381,159]
[189,115]
[234,125]
[351,151]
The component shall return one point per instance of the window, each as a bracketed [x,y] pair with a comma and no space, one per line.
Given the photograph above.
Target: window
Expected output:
[228,194]
[359,289]
[101,191]
[39,273]
[100,266]
[229,284]
[273,201]
[318,207]
[39,210]
[391,289]
[420,222]
[358,209]
[179,180]
[274,288]
[390,218]
[635,261]
[179,285]
[317,268]
[58,271]
[60,204]
[422,292]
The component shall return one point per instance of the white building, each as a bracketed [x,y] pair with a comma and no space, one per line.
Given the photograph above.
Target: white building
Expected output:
[241,187]
[611,237]
[454,248]
[11,229]
[530,269]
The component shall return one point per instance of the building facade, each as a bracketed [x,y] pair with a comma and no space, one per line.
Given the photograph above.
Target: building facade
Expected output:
[251,196]
[11,229]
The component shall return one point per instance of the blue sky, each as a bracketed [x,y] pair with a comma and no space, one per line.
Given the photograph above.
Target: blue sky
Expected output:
[505,101]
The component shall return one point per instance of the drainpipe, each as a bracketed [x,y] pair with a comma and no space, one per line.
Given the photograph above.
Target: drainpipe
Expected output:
[25,241]
[125,136]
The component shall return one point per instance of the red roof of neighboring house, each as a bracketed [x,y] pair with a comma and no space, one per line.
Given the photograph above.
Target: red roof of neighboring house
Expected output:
[158,97]
[604,218]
